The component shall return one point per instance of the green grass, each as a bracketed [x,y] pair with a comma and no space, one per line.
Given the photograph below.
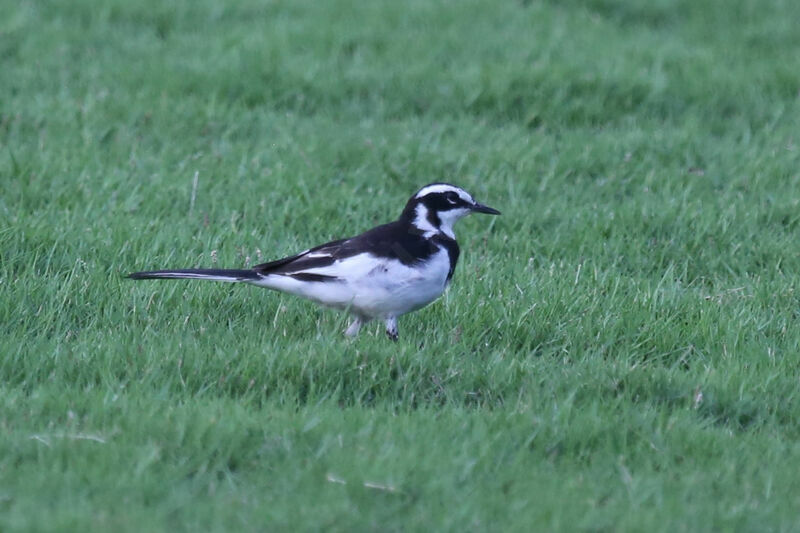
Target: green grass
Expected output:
[618,351]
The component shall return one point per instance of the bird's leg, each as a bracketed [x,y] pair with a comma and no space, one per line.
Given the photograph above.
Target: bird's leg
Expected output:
[355,325]
[391,328]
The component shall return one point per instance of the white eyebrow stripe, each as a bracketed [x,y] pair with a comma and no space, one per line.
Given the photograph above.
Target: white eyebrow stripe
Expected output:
[439,187]
[443,187]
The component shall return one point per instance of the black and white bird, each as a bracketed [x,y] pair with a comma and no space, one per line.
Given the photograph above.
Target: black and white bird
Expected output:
[386,272]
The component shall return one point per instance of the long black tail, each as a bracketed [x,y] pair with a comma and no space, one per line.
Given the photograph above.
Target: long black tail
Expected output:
[211,274]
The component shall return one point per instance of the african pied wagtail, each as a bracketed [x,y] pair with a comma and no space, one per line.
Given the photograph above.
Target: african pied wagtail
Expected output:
[383,273]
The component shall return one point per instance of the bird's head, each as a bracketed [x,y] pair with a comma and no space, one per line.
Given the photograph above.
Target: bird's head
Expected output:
[436,207]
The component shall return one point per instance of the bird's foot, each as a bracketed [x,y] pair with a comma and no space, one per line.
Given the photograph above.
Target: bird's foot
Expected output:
[391,328]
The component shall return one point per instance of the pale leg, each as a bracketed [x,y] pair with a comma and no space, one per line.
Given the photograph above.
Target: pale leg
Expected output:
[391,327]
[354,327]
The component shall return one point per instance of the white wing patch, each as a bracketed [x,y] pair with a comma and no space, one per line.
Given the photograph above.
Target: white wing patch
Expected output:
[317,254]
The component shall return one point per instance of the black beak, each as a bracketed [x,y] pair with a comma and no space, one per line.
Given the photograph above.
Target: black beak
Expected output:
[480,208]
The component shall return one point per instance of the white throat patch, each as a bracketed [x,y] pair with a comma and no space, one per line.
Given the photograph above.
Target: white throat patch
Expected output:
[448,218]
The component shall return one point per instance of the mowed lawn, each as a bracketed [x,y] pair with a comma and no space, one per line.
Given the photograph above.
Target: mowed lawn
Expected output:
[619,351]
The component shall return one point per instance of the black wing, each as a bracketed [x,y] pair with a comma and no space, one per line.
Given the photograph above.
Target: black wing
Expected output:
[394,241]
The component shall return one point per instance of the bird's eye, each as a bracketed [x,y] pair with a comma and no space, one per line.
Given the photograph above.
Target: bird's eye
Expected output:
[451,197]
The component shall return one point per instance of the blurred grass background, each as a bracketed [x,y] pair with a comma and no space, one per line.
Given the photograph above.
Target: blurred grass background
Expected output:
[617,351]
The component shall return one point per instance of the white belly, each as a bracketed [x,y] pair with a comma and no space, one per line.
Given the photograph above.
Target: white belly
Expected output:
[395,289]
[371,287]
